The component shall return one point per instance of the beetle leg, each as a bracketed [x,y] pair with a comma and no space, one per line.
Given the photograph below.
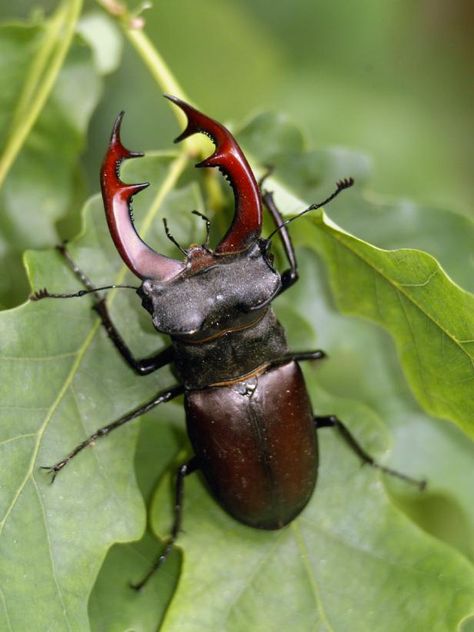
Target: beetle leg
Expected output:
[161,398]
[298,356]
[290,276]
[331,421]
[83,278]
[184,470]
[301,356]
[141,367]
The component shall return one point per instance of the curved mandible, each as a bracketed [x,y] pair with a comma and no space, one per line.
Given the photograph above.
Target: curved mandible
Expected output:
[142,260]
[247,223]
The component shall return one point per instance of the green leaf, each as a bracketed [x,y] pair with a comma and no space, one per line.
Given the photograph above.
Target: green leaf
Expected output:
[304,176]
[407,292]
[43,182]
[113,606]
[423,446]
[429,316]
[103,37]
[60,380]
[350,556]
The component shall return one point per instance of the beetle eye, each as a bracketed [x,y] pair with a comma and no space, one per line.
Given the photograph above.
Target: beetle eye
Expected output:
[147,303]
[269,259]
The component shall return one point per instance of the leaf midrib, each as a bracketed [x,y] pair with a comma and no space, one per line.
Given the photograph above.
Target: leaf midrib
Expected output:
[301,544]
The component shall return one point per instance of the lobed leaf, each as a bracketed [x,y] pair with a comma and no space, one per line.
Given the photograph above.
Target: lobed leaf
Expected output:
[429,316]
[60,379]
[363,365]
[350,556]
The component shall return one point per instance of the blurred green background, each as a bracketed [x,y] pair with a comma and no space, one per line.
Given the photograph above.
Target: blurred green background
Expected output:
[391,78]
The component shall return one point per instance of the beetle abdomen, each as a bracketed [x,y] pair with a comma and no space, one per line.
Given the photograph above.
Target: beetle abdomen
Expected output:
[256,445]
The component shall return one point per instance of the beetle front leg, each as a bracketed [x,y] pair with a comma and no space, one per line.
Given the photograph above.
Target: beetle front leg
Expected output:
[161,398]
[184,470]
[290,276]
[143,366]
[331,421]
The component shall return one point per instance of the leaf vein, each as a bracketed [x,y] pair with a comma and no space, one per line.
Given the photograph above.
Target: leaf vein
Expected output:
[100,466]
[415,346]
[22,436]
[301,544]
[46,421]
[70,354]
[5,608]
[248,580]
[422,283]
[53,565]
[332,535]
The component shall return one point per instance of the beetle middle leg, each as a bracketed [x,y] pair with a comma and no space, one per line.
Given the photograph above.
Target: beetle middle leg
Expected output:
[184,470]
[331,421]
[161,398]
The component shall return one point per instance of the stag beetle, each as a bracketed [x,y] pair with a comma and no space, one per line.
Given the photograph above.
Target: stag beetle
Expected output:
[248,414]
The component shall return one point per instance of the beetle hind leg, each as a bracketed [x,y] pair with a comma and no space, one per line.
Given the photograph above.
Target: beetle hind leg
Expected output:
[184,470]
[331,421]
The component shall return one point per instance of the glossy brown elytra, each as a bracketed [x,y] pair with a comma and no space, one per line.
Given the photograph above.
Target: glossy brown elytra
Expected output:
[248,414]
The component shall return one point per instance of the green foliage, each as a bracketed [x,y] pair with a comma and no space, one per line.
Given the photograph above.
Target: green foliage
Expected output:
[61,363]
[367,553]
[43,182]
[351,554]
[405,291]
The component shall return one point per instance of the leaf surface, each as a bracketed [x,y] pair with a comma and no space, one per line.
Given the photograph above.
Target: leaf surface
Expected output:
[60,380]
[407,292]
[350,556]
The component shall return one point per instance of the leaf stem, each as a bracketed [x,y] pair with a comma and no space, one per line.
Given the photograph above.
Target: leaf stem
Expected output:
[157,66]
[153,60]
[36,91]
[38,65]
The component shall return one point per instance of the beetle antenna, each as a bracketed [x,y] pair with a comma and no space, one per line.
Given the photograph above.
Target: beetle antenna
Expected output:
[208,227]
[345,183]
[43,293]
[172,239]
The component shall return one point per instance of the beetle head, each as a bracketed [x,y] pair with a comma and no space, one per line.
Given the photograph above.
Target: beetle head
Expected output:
[209,291]
[227,293]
